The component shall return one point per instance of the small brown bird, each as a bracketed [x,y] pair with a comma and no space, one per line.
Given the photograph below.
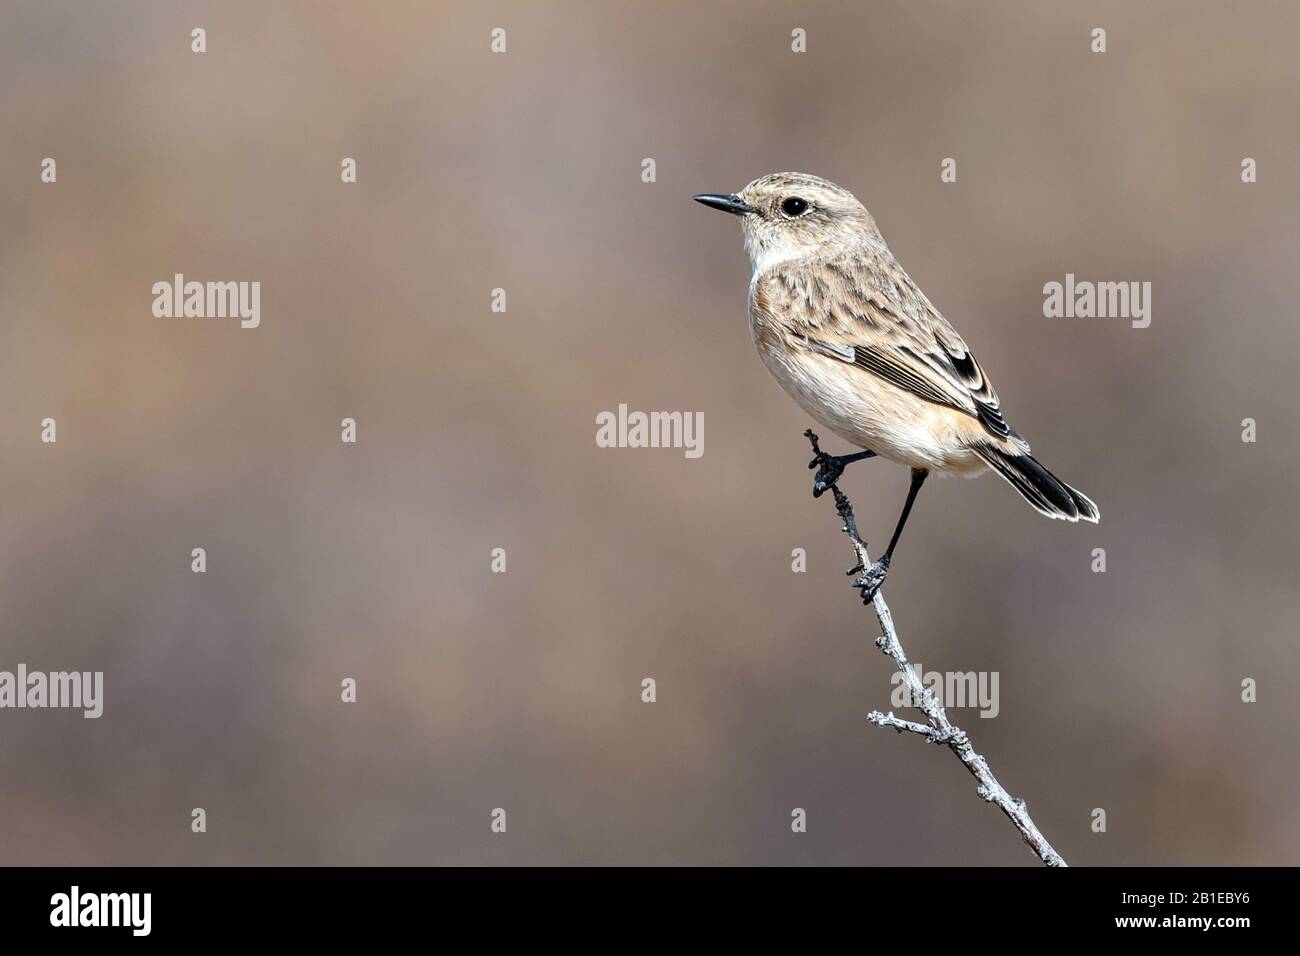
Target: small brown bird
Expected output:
[849,336]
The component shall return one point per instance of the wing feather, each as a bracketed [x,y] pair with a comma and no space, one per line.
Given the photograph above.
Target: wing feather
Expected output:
[886,326]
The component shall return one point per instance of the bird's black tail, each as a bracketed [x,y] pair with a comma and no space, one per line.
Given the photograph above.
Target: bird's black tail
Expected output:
[1048,494]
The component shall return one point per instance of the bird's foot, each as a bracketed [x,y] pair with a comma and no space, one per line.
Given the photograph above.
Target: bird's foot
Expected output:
[872,578]
[831,467]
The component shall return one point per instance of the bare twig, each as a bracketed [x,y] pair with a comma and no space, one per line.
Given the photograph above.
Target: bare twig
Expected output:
[939,729]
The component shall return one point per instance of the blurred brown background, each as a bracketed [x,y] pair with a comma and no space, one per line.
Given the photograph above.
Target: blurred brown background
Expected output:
[476,430]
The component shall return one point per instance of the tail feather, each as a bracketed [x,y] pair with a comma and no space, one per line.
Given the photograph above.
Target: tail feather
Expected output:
[1048,494]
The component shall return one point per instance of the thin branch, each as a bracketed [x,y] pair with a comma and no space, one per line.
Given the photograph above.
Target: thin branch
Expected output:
[939,729]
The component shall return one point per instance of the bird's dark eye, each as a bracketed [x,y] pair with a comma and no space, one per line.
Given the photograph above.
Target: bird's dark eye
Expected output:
[794,206]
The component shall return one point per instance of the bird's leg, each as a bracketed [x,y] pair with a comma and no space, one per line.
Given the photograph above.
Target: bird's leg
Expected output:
[830,467]
[874,576]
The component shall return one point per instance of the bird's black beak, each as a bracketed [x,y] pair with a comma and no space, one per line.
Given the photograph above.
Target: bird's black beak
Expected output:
[730,203]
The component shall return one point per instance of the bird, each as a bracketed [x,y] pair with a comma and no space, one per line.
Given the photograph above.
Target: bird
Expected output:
[850,337]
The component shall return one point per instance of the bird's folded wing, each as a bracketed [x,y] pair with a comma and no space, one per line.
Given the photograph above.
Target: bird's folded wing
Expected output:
[936,370]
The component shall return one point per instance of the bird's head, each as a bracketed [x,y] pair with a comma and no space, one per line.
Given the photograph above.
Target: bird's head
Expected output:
[788,216]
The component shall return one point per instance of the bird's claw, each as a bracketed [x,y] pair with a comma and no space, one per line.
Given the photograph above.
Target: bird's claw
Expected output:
[872,578]
[830,467]
[829,472]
